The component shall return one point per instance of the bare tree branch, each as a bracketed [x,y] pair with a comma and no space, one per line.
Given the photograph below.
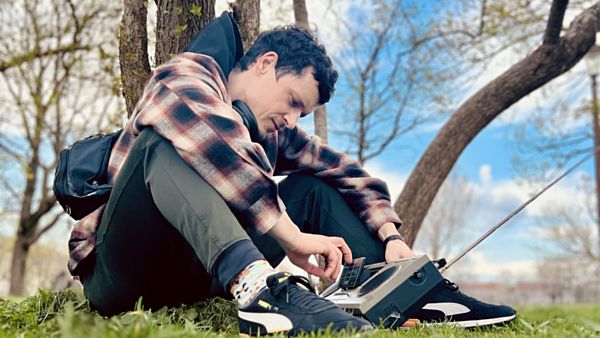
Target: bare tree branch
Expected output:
[25,58]
[535,70]
[42,230]
[554,25]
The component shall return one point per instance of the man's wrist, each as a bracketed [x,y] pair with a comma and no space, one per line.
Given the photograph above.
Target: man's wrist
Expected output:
[285,232]
[395,237]
[387,230]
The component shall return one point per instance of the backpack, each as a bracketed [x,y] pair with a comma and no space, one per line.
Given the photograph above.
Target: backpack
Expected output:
[80,179]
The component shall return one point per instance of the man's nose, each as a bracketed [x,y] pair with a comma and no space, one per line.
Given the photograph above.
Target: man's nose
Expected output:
[291,118]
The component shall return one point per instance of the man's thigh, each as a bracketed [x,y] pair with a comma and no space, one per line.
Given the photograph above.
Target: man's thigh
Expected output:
[139,253]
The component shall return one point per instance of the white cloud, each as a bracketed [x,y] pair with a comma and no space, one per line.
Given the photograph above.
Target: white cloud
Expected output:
[485,174]
[483,268]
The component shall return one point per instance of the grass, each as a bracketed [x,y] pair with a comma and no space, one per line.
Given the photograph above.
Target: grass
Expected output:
[66,314]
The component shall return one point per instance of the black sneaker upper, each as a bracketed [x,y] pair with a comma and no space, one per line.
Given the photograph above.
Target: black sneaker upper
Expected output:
[451,305]
[293,298]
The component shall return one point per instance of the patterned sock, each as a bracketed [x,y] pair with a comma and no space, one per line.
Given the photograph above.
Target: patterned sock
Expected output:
[251,281]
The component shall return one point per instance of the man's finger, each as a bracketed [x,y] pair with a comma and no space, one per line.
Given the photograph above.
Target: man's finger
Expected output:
[344,248]
[313,270]
[332,260]
[336,273]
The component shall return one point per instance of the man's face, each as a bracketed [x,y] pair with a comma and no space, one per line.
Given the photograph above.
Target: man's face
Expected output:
[278,103]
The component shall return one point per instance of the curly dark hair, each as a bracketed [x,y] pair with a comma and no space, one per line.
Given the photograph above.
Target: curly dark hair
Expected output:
[297,49]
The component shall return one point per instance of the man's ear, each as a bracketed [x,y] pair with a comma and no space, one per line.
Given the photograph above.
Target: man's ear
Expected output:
[266,61]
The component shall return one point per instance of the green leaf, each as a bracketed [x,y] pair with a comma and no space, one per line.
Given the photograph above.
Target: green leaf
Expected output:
[180,29]
[196,10]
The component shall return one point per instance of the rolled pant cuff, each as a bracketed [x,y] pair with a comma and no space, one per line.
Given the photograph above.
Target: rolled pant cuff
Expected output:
[234,260]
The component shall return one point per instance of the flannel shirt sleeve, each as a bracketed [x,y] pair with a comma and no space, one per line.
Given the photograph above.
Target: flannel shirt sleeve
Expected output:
[186,108]
[367,196]
[82,241]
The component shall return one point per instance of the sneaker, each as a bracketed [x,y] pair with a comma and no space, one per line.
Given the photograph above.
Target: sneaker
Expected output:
[451,306]
[289,305]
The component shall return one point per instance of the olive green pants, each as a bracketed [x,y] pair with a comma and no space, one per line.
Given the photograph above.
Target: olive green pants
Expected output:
[167,236]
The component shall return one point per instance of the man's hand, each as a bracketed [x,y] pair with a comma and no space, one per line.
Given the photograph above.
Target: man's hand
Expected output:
[334,249]
[299,246]
[395,250]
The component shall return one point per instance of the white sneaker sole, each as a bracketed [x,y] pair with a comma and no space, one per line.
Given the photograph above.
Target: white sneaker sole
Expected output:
[273,322]
[474,323]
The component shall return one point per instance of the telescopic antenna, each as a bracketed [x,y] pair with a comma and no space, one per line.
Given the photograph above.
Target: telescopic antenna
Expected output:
[521,207]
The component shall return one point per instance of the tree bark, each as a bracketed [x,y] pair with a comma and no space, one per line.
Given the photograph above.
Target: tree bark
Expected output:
[320,121]
[544,64]
[247,15]
[18,265]
[133,52]
[177,22]
[301,14]
[320,115]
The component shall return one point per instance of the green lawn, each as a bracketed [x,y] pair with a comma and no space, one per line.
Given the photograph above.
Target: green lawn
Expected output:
[66,314]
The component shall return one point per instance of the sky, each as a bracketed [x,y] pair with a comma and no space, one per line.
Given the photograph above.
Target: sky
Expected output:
[514,250]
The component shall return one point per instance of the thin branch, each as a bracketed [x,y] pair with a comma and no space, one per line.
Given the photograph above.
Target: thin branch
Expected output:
[36,54]
[45,205]
[45,228]
[557,14]
[482,17]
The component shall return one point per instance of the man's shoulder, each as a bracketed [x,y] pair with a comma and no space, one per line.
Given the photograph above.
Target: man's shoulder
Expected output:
[190,65]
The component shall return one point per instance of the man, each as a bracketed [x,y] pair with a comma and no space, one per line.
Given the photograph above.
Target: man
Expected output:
[194,211]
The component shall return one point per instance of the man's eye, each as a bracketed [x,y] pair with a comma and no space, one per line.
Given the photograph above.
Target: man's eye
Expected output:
[294,103]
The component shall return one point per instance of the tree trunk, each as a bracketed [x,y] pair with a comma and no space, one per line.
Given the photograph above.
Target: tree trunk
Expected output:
[320,115]
[247,15]
[301,14]
[133,52]
[544,64]
[177,22]
[18,265]
[321,122]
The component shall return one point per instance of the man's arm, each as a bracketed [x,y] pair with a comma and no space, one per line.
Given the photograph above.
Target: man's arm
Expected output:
[367,196]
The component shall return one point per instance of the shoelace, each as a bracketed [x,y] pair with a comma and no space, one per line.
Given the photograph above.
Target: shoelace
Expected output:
[454,288]
[451,285]
[293,293]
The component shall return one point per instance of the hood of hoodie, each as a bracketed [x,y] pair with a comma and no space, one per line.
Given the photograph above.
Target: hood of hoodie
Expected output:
[221,40]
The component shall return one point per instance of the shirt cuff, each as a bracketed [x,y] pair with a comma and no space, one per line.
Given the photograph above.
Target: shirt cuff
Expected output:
[376,216]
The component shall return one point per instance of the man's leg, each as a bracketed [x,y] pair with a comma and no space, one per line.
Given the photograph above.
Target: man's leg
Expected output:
[166,232]
[162,234]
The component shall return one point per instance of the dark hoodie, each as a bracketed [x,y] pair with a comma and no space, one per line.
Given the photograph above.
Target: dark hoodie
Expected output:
[221,40]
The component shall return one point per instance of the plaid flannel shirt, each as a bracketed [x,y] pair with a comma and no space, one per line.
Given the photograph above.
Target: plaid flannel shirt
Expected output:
[186,101]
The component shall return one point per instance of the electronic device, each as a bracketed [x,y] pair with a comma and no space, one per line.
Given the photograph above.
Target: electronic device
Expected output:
[386,293]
